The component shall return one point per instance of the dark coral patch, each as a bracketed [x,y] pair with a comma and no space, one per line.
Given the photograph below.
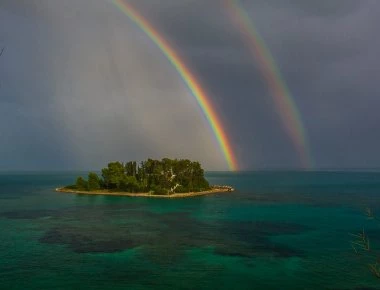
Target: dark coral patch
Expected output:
[164,238]
[81,242]
[250,239]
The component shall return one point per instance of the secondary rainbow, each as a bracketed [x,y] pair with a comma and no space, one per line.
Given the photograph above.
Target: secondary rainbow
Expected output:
[187,76]
[282,97]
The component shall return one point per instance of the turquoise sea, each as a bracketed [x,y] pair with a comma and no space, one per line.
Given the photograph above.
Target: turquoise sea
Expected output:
[279,230]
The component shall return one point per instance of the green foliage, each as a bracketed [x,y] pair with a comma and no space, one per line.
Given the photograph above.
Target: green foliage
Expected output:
[166,176]
[181,189]
[129,184]
[81,184]
[93,181]
[131,168]
[113,175]
[159,190]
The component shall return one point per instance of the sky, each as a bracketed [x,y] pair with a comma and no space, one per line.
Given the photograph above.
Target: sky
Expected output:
[82,85]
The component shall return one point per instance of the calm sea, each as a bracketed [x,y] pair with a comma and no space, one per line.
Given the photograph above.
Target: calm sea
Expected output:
[279,230]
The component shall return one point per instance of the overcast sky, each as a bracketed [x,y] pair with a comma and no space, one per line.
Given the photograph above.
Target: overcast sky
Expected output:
[82,85]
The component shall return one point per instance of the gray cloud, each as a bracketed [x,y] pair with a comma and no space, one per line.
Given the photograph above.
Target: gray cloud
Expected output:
[106,88]
[327,52]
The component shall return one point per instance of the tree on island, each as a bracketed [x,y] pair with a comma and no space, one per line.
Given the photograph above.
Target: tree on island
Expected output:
[93,181]
[81,184]
[166,176]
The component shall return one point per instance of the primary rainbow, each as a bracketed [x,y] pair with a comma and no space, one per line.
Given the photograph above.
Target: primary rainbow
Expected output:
[283,100]
[187,76]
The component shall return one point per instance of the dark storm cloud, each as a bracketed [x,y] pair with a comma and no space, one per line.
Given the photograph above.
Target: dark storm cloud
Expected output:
[313,8]
[326,50]
[328,54]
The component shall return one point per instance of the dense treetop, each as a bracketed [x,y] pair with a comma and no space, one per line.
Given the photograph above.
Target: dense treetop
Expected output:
[166,176]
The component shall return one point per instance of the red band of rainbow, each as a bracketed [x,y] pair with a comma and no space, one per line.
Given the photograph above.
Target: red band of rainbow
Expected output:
[284,102]
[188,78]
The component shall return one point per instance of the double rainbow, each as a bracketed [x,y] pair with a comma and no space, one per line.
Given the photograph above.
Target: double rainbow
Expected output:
[186,75]
[282,97]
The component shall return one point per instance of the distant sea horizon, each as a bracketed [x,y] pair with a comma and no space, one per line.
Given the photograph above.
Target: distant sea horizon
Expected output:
[274,169]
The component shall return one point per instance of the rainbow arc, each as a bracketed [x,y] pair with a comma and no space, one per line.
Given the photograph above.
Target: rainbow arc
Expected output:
[187,76]
[283,100]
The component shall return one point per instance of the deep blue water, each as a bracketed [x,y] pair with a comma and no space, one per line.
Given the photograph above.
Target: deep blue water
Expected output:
[279,230]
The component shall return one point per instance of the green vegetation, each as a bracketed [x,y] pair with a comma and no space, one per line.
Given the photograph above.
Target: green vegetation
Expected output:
[160,177]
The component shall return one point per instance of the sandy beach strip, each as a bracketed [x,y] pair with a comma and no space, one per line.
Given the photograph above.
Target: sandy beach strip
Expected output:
[175,195]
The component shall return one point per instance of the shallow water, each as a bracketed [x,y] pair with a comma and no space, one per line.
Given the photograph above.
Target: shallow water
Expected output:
[279,230]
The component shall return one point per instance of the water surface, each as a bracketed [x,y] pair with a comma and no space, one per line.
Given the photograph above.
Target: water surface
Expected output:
[279,230]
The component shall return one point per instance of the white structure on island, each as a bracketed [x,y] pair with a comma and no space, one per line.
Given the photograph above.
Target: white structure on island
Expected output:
[174,188]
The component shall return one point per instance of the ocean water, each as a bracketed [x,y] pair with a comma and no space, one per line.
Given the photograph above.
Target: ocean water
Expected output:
[279,230]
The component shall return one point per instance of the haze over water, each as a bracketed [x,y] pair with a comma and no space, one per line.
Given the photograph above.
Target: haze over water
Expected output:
[279,230]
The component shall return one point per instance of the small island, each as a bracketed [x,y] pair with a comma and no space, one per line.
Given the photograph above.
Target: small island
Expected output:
[166,178]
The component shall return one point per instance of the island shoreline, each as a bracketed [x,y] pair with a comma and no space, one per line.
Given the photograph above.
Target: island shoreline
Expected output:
[225,189]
